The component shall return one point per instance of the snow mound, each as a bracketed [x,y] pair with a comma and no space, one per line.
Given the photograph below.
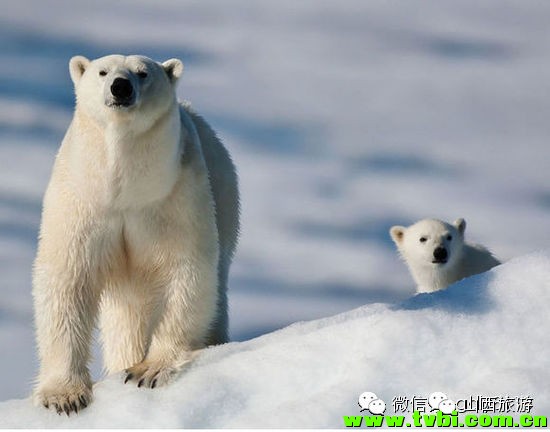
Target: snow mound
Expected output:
[487,335]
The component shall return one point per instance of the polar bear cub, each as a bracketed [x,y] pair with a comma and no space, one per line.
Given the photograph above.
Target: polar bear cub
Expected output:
[437,254]
[139,226]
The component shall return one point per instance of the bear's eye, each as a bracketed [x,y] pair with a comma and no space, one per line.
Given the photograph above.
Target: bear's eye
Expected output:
[449,237]
[423,239]
[102,72]
[142,74]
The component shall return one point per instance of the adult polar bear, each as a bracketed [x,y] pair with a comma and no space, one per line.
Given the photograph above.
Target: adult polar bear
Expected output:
[140,222]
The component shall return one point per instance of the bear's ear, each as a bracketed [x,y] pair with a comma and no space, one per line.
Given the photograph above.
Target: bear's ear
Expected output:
[173,69]
[460,225]
[77,67]
[397,233]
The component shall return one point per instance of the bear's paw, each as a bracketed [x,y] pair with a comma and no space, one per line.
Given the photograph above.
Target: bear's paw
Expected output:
[151,374]
[68,398]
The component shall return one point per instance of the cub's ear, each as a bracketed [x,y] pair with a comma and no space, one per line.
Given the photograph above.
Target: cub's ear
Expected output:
[77,67]
[460,225]
[397,232]
[173,69]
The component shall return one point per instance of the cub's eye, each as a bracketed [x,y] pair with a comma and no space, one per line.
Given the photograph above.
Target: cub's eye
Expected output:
[142,74]
[102,72]
[449,237]
[423,239]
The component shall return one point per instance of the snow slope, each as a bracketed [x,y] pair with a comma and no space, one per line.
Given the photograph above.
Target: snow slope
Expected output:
[344,118]
[487,335]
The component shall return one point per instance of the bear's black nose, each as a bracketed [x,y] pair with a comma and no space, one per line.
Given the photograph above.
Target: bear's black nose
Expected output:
[122,88]
[440,254]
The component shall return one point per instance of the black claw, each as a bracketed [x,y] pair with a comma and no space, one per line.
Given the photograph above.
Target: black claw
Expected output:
[83,401]
[67,409]
[58,408]
[128,377]
[140,383]
[46,405]
[74,406]
[154,383]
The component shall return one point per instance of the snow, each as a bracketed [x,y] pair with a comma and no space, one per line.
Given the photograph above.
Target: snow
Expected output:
[310,374]
[343,119]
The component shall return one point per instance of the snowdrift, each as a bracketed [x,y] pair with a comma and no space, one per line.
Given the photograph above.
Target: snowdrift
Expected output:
[487,335]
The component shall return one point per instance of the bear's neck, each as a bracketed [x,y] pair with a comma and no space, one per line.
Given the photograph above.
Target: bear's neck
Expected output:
[143,168]
[139,169]
[430,278]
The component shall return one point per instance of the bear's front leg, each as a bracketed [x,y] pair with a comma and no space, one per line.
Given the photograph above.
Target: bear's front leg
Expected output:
[189,310]
[65,302]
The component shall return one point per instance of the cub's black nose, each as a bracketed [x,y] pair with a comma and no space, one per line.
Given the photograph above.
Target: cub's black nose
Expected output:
[440,254]
[122,88]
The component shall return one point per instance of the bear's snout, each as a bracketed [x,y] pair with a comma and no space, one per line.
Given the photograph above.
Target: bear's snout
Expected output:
[440,255]
[122,89]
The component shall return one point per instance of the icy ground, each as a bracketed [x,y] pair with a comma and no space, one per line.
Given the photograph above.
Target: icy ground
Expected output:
[487,335]
[344,118]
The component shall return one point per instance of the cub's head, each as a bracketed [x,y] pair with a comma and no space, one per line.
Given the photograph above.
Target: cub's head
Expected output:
[116,87]
[430,242]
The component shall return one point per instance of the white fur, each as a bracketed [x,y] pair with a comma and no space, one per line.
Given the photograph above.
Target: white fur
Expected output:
[139,225]
[464,259]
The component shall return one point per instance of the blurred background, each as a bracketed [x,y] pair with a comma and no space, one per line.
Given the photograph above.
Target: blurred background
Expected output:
[343,118]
